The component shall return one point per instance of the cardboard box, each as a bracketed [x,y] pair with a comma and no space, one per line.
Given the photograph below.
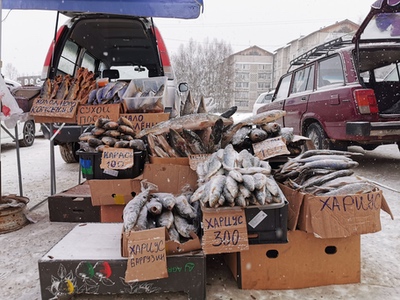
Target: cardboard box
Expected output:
[335,216]
[95,246]
[88,114]
[171,247]
[168,178]
[111,213]
[224,230]
[73,205]
[183,161]
[145,120]
[114,191]
[305,261]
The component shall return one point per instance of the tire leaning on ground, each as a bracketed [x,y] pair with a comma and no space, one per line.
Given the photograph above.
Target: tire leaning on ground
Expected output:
[28,134]
[68,152]
[318,136]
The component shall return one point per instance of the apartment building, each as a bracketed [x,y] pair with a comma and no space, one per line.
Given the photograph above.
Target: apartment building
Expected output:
[258,70]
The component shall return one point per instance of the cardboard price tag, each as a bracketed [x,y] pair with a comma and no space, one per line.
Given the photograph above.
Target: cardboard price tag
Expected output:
[225,230]
[54,108]
[145,120]
[270,148]
[147,258]
[117,158]
[195,159]
[89,114]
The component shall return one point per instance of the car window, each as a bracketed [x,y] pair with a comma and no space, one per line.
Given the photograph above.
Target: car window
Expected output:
[303,80]
[330,71]
[89,62]
[68,59]
[283,89]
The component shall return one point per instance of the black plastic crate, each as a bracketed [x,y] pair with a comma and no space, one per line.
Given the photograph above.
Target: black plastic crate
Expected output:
[267,224]
[90,166]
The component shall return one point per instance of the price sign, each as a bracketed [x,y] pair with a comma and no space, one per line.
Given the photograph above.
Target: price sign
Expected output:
[117,158]
[270,148]
[225,230]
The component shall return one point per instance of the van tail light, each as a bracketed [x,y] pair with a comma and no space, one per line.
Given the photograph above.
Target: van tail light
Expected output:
[165,60]
[49,55]
[366,101]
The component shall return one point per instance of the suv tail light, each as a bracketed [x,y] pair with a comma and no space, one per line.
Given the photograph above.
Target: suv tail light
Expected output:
[164,55]
[366,101]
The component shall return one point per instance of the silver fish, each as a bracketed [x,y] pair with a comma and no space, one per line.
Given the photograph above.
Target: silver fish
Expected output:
[240,135]
[173,233]
[153,206]
[183,207]
[216,187]
[166,219]
[142,223]
[257,135]
[166,199]
[248,182]
[183,226]
[230,158]
[133,207]
[264,117]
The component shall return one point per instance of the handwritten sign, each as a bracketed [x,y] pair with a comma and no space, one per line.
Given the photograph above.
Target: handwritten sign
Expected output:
[270,148]
[145,120]
[341,216]
[225,230]
[147,258]
[89,114]
[54,108]
[117,158]
[195,159]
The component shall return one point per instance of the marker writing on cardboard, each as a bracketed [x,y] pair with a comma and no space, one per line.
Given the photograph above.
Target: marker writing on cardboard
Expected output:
[223,221]
[152,247]
[360,202]
[146,259]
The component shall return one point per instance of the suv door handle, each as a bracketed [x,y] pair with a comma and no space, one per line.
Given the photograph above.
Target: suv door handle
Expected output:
[304,98]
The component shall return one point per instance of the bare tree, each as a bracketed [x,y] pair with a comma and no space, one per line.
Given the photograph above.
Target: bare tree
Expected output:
[203,66]
[10,72]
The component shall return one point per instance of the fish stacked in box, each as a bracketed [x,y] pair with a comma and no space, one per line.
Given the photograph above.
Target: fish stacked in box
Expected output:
[151,209]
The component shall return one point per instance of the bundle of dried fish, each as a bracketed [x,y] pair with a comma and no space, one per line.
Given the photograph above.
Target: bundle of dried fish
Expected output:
[175,213]
[112,92]
[229,178]
[107,133]
[323,172]
[68,87]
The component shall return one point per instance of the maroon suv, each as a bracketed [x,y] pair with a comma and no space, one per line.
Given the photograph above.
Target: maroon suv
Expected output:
[347,92]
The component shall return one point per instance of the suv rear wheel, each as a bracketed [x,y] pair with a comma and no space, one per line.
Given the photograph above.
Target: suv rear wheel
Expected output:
[68,152]
[318,136]
[28,134]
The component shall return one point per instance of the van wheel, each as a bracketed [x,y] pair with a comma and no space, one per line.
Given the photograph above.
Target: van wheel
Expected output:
[317,135]
[28,134]
[68,152]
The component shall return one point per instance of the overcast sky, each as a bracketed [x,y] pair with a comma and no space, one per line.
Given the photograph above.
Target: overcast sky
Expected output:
[26,35]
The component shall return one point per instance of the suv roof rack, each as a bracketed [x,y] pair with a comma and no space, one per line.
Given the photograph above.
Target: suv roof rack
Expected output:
[320,50]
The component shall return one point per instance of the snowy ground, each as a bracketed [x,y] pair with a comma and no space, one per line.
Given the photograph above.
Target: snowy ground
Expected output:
[20,250]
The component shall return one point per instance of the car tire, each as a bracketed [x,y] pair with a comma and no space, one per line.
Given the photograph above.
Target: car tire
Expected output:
[68,152]
[28,134]
[318,136]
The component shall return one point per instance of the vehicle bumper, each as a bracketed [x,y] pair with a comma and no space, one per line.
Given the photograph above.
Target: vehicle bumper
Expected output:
[373,129]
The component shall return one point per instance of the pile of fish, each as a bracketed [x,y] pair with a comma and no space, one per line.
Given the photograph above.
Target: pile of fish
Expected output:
[140,100]
[111,93]
[231,178]
[68,87]
[107,133]
[150,209]
[323,172]
[200,132]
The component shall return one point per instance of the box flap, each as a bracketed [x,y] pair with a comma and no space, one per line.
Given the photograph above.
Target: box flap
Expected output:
[295,200]
[174,247]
